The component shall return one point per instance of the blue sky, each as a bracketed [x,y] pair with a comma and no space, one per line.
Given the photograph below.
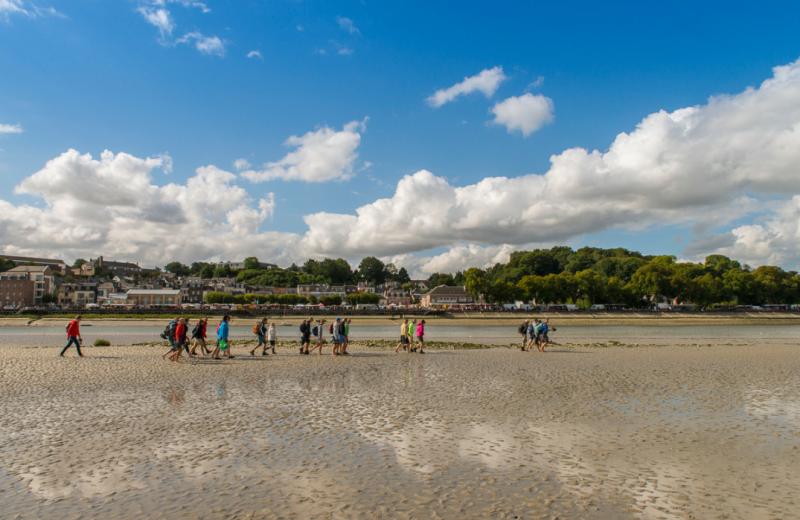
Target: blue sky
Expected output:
[94,76]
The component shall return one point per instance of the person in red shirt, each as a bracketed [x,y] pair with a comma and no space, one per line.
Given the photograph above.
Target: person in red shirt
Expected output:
[74,335]
[180,340]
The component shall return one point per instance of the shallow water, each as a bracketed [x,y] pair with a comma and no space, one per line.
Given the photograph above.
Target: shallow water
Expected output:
[577,433]
[475,334]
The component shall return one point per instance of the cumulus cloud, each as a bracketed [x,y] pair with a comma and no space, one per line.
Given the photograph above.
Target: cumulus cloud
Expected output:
[709,163]
[111,205]
[705,166]
[10,129]
[487,82]
[254,54]
[526,113]
[241,164]
[347,24]
[321,155]
[160,18]
[205,44]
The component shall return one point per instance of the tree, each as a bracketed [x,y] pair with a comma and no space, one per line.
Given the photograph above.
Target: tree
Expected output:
[568,288]
[539,262]
[222,271]
[402,276]
[207,271]
[708,290]
[742,285]
[500,292]
[312,299]
[475,282]
[5,265]
[178,269]
[331,300]
[336,272]
[590,284]
[774,284]
[653,279]
[251,262]
[529,288]
[78,263]
[372,270]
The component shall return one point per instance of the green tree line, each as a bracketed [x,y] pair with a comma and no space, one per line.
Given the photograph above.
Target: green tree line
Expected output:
[595,275]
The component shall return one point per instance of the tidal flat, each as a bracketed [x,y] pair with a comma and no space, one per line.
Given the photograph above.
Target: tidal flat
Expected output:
[671,431]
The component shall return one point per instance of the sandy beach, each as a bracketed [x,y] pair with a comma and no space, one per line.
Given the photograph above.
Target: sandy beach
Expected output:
[580,432]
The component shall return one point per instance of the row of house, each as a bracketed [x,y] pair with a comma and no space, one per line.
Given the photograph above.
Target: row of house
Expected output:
[125,283]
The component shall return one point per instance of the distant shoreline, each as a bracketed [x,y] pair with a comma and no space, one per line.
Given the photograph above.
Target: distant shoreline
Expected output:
[562,318]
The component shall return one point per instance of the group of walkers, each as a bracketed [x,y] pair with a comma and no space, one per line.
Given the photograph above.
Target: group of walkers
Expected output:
[339,330]
[407,333]
[534,334]
[177,332]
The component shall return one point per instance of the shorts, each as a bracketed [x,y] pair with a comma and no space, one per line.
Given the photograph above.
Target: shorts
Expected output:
[404,340]
[272,343]
[261,340]
[342,338]
[335,339]
[419,338]
[305,338]
[223,344]
[544,338]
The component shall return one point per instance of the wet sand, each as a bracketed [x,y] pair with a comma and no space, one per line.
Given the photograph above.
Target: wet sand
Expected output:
[580,432]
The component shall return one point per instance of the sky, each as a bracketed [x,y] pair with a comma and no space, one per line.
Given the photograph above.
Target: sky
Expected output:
[437,136]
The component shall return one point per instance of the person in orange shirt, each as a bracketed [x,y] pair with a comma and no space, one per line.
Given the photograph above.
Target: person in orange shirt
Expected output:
[74,335]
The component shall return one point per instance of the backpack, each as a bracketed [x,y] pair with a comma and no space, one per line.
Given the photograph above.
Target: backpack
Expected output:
[255,330]
[315,331]
[196,330]
[521,329]
[304,327]
[539,328]
[330,328]
[169,332]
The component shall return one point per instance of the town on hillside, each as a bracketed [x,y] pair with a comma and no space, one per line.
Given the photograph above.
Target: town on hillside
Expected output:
[556,279]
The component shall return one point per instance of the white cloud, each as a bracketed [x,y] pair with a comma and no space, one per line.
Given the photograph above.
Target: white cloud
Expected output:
[700,166]
[8,7]
[10,129]
[111,205]
[347,24]
[526,113]
[20,7]
[321,155]
[205,44]
[160,18]
[345,51]
[487,82]
[708,164]
[538,83]
[241,164]
[255,54]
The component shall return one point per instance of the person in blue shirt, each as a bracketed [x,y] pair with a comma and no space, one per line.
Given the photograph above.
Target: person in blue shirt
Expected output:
[222,339]
[543,339]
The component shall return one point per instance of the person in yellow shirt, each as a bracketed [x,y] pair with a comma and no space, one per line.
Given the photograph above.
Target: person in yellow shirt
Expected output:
[403,336]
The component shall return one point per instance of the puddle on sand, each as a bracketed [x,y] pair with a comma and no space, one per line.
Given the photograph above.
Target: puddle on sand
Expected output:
[499,434]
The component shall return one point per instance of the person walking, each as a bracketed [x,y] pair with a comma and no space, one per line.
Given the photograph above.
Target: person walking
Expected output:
[222,339]
[543,338]
[272,336]
[199,337]
[403,336]
[534,339]
[170,332]
[523,331]
[180,341]
[74,335]
[421,336]
[335,326]
[261,333]
[346,333]
[412,331]
[319,339]
[305,335]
